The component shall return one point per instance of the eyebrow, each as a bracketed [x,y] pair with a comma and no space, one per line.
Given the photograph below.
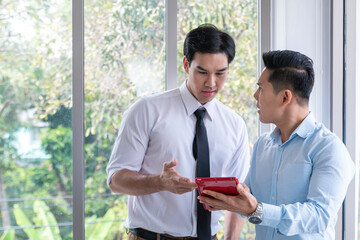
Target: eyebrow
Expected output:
[203,69]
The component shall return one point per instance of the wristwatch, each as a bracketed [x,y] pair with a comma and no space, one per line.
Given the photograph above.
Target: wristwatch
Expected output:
[256,217]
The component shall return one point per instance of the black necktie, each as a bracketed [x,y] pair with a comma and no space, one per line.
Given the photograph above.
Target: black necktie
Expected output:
[201,154]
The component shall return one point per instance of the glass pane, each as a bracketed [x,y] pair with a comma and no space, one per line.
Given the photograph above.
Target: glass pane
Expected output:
[35,120]
[239,19]
[124,60]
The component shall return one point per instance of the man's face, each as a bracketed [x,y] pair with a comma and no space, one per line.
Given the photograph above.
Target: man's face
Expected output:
[268,103]
[206,75]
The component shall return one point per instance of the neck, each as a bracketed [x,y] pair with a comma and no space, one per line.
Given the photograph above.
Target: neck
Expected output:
[290,120]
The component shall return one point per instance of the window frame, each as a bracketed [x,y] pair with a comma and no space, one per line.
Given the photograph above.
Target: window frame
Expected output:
[78,99]
[344,117]
[351,110]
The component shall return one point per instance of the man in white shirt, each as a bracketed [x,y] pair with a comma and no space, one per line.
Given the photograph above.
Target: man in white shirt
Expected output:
[153,159]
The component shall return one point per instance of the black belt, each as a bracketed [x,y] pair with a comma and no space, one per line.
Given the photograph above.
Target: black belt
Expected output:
[143,233]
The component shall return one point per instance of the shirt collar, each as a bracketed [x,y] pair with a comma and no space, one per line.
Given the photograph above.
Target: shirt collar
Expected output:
[192,104]
[305,128]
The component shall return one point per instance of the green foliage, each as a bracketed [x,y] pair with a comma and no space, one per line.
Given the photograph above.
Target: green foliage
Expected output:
[100,230]
[124,60]
[9,122]
[8,235]
[44,218]
[58,143]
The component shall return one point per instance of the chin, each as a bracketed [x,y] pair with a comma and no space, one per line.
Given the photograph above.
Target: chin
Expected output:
[262,120]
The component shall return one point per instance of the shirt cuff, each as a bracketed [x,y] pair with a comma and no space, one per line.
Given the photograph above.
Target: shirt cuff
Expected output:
[241,215]
[271,215]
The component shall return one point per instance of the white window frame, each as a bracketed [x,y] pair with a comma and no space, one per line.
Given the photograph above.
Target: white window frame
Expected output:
[351,109]
[345,103]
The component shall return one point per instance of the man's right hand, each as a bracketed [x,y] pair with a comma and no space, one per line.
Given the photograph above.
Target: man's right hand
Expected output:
[172,181]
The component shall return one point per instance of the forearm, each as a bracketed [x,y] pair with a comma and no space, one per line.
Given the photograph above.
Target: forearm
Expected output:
[133,183]
[298,218]
[233,226]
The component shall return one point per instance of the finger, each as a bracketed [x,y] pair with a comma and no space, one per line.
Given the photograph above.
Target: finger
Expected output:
[170,164]
[186,187]
[204,200]
[213,203]
[245,195]
[214,194]
[214,208]
[245,187]
[240,188]
[187,180]
[184,190]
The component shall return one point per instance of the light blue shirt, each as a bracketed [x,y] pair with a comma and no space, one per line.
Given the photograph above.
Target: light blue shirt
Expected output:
[301,183]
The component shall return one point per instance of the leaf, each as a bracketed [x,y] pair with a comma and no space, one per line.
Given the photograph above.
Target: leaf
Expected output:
[25,223]
[8,235]
[88,225]
[47,219]
[102,228]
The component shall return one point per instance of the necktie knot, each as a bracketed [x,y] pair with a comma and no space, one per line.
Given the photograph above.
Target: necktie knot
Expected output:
[200,114]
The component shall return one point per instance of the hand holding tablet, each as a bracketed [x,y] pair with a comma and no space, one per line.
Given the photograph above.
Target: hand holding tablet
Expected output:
[225,185]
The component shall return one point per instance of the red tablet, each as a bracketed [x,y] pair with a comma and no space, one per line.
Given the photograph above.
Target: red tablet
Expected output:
[225,185]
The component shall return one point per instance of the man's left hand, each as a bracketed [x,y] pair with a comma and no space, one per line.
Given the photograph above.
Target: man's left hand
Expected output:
[243,204]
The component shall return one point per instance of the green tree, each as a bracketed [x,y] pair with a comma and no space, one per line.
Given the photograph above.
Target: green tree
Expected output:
[124,60]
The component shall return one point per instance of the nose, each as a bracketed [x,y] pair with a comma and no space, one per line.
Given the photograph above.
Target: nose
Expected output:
[211,81]
[256,94]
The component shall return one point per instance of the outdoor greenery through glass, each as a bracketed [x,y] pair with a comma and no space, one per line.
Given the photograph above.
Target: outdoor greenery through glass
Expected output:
[35,120]
[124,60]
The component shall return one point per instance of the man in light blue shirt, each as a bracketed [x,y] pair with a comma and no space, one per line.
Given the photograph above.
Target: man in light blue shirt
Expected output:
[299,172]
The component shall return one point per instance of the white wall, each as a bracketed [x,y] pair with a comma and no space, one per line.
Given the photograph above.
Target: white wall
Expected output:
[304,26]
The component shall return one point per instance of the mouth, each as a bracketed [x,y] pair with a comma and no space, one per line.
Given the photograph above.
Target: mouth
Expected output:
[209,93]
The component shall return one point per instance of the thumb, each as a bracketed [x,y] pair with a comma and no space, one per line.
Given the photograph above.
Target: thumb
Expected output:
[241,189]
[245,187]
[170,164]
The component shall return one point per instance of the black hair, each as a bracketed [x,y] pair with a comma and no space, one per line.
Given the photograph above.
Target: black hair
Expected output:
[206,38]
[291,70]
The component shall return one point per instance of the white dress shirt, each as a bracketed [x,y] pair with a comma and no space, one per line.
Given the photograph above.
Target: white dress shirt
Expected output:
[161,127]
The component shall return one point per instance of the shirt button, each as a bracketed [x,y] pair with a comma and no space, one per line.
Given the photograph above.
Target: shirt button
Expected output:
[273,198]
[275,172]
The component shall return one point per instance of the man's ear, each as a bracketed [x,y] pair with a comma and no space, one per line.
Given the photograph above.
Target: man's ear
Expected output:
[186,65]
[287,96]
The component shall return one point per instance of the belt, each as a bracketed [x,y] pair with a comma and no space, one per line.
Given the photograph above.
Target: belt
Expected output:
[143,233]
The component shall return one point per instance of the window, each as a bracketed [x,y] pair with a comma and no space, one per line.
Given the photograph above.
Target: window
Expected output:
[124,59]
[35,120]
